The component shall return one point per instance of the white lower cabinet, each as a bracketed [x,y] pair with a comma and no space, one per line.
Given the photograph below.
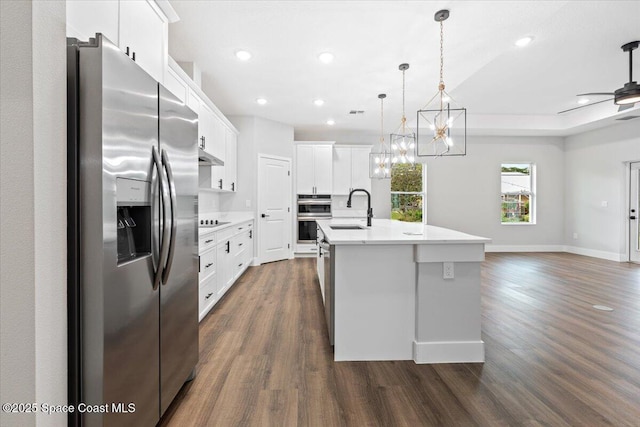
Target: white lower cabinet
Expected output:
[224,256]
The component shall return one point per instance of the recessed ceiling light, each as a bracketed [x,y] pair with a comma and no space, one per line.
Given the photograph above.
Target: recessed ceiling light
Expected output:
[261,101]
[243,55]
[326,57]
[583,101]
[524,41]
[318,102]
[331,122]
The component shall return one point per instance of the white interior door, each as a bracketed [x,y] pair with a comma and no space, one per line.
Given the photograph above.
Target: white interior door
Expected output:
[274,208]
[634,213]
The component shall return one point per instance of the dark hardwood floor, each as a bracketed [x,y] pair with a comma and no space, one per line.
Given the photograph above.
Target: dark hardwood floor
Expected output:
[551,358]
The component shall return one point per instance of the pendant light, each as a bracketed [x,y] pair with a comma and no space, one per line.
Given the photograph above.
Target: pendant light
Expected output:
[380,161]
[442,124]
[403,142]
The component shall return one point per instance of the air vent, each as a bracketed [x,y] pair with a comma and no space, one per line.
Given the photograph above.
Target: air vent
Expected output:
[628,118]
[356,112]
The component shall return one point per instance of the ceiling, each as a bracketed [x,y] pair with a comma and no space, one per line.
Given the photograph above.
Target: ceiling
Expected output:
[506,89]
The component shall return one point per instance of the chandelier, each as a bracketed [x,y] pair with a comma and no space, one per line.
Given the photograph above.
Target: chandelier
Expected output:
[380,161]
[403,142]
[442,124]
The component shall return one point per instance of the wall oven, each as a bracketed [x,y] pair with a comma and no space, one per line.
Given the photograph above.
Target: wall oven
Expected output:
[311,207]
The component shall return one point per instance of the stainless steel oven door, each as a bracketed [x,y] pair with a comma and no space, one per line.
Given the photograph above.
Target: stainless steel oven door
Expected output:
[307,228]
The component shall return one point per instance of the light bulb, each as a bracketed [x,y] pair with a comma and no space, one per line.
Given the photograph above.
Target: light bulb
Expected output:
[394,160]
[412,145]
[432,126]
[446,99]
[449,141]
[377,159]
[376,171]
[411,159]
[395,146]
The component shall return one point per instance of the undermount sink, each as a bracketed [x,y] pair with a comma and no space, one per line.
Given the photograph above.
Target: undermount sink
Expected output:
[347,227]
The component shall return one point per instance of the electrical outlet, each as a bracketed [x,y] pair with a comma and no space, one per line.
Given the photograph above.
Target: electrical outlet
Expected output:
[447,270]
[248,203]
[575,236]
[604,204]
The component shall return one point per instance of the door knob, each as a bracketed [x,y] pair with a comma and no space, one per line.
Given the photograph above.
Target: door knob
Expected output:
[265,216]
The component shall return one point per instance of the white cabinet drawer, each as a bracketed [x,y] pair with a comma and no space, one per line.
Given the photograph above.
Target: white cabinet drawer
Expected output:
[240,263]
[207,241]
[241,242]
[207,263]
[207,295]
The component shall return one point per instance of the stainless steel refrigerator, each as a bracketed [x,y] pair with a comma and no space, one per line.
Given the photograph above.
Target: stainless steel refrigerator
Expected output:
[132,237]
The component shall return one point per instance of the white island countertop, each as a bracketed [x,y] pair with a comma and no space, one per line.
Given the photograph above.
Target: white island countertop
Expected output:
[390,232]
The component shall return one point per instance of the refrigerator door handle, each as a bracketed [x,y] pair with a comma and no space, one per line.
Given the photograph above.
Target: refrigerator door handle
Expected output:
[164,196]
[174,223]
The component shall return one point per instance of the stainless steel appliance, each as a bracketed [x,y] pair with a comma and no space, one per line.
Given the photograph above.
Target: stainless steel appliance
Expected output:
[132,238]
[311,207]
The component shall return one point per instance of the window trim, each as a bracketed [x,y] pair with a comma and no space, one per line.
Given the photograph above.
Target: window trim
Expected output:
[533,195]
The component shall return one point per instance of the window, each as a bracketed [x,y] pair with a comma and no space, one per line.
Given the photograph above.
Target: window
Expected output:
[517,187]
[407,195]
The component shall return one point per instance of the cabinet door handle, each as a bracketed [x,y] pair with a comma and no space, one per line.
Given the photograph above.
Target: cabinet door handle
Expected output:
[239,244]
[208,295]
[233,186]
[208,265]
[228,247]
[240,265]
[220,183]
[199,264]
[204,142]
[127,51]
[133,56]
[208,241]
[251,234]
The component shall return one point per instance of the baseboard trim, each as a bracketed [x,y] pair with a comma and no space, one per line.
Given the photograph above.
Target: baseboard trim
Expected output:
[611,256]
[448,352]
[524,248]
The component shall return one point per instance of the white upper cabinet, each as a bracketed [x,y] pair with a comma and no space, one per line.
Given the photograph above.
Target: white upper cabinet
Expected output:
[231,161]
[85,18]
[350,169]
[323,168]
[142,32]
[177,86]
[314,166]
[341,170]
[137,27]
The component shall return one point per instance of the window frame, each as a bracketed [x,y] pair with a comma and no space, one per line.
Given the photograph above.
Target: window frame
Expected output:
[532,193]
[422,193]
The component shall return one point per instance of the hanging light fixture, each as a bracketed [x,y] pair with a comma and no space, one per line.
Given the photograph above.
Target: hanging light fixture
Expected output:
[380,161]
[442,124]
[403,143]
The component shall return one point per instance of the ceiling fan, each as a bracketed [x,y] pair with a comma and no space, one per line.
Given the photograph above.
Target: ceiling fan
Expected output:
[627,96]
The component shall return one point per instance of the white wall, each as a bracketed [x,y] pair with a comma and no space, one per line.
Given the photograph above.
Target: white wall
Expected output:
[257,136]
[463,193]
[594,172]
[33,208]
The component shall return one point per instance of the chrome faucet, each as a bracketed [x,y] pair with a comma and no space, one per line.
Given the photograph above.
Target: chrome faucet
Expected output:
[369,210]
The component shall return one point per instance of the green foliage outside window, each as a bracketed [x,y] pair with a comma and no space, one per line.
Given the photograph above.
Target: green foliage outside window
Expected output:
[406,179]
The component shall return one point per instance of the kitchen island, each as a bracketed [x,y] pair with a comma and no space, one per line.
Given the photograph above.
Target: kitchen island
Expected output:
[401,291]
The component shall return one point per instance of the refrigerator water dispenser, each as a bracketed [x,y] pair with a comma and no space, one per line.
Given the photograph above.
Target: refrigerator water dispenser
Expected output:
[133,219]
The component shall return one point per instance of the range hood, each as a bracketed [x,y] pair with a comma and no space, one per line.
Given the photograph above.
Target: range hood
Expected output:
[207,159]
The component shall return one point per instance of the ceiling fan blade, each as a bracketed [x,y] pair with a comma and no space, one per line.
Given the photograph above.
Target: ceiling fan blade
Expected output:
[596,93]
[625,107]
[587,105]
